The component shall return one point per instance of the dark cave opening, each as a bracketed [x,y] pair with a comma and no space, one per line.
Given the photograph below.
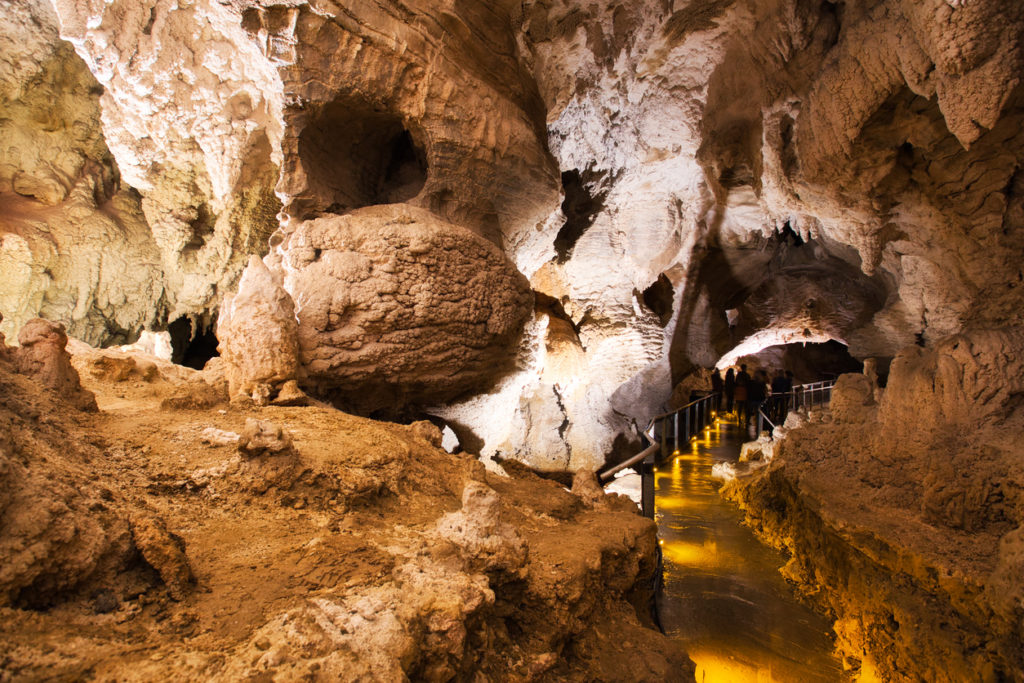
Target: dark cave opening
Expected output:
[809,362]
[659,298]
[581,204]
[355,155]
[189,349]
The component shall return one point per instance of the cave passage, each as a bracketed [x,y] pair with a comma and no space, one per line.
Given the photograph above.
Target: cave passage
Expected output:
[191,350]
[355,156]
[809,362]
[724,597]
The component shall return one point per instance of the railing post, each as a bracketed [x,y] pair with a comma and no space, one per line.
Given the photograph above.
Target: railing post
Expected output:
[688,426]
[664,436]
[647,486]
[675,420]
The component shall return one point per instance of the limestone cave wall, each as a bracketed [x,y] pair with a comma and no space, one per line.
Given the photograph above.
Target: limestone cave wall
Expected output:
[825,170]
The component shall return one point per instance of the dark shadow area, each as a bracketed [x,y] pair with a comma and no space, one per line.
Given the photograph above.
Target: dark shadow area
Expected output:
[809,362]
[659,297]
[582,203]
[357,156]
[188,350]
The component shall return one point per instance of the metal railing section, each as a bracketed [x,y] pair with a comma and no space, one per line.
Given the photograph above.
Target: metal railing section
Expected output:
[773,410]
[672,428]
[669,431]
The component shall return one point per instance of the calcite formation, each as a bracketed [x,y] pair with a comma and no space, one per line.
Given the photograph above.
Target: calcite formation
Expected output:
[259,333]
[397,307]
[843,171]
[918,480]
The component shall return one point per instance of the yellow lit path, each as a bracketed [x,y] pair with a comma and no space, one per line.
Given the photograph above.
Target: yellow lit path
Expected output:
[723,594]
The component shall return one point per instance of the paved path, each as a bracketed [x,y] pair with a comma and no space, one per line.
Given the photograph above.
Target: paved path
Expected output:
[724,596]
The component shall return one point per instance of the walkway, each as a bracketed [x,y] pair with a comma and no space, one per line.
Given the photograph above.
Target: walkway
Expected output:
[724,596]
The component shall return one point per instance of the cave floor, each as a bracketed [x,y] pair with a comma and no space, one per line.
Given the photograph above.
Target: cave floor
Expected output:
[724,597]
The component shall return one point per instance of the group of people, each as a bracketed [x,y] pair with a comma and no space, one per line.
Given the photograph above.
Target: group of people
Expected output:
[746,393]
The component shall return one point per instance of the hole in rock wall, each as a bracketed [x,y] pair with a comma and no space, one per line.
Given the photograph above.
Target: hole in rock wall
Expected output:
[659,298]
[581,204]
[189,349]
[202,228]
[356,156]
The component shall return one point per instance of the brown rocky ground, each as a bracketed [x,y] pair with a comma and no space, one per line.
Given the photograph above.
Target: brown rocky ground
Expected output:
[141,543]
[902,513]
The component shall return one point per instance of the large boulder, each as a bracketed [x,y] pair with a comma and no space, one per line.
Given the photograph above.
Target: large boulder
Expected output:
[396,306]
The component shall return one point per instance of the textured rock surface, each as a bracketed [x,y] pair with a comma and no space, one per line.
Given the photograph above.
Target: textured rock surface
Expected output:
[74,246]
[42,356]
[363,552]
[259,335]
[903,514]
[64,533]
[397,307]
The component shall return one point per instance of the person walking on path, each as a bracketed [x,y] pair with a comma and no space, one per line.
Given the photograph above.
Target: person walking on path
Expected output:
[757,391]
[742,380]
[730,388]
[716,388]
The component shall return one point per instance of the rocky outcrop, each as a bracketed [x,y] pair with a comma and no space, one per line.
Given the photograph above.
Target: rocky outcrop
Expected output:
[396,307]
[330,546]
[903,511]
[259,335]
[824,171]
[74,245]
[64,533]
[42,356]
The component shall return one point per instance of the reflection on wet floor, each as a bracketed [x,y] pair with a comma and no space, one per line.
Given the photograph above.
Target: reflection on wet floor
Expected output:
[724,596]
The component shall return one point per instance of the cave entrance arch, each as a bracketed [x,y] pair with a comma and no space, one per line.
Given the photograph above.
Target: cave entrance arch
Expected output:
[192,347]
[810,361]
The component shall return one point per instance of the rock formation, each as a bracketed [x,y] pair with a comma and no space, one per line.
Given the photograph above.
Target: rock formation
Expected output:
[259,335]
[42,355]
[285,541]
[396,307]
[793,177]
[923,483]
[679,184]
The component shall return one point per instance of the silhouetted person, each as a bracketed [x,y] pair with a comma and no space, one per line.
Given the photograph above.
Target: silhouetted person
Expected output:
[782,387]
[742,380]
[756,393]
[729,386]
[716,387]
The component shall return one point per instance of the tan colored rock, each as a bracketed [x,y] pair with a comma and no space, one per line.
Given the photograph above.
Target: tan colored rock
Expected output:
[852,399]
[60,528]
[258,335]
[164,551]
[396,306]
[263,437]
[74,245]
[479,529]
[42,356]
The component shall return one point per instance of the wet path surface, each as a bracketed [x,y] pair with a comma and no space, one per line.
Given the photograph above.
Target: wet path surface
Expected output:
[724,597]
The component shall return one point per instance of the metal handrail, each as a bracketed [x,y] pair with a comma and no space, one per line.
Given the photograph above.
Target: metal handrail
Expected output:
[803,395]
[608,474]
[692,417]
